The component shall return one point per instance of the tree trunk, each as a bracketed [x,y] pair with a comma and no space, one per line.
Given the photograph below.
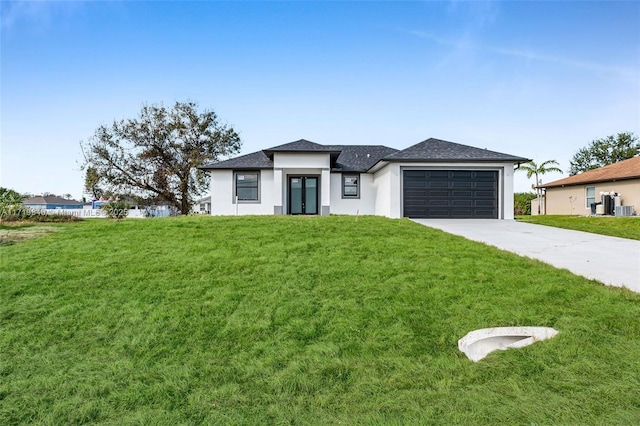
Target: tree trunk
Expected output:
[184,199]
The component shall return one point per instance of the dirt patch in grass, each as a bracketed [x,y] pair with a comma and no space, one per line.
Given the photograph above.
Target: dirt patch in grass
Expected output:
[22,232]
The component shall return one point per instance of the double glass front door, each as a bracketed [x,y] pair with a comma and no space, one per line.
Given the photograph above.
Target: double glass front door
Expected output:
[303,195]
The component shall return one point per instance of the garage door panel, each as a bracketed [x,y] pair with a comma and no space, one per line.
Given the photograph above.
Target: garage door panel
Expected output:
[490,175]
[438,213]
[461,213]
[484,214]
[463,194]
[450,194]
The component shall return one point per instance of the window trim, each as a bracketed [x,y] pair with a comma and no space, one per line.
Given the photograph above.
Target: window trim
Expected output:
[235,187]
[358,184]
[586,196]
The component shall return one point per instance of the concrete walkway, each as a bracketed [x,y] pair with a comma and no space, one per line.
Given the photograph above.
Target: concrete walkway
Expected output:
[610,260]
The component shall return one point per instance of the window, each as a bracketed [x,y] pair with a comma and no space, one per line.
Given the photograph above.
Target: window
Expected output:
[350,186]
[247,186]
[590,195]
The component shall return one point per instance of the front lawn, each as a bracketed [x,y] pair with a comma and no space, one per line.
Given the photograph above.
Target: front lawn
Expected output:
[301,320]
[623,227]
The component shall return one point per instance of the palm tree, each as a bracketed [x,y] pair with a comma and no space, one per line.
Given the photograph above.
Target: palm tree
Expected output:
[538,170]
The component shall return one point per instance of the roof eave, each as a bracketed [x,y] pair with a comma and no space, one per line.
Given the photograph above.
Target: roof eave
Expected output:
[380,164]
[269,152]
[457,160]
[236,168]
[587,182]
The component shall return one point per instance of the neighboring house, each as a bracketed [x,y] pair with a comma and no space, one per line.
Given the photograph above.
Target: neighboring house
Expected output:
[575,194]
[51,202]
[202,206]
[432,179]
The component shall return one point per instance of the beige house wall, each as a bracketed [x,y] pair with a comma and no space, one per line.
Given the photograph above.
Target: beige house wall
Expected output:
[571,200]
[534,206]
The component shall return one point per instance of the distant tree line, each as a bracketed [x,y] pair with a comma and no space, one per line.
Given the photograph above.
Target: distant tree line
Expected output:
[604,151]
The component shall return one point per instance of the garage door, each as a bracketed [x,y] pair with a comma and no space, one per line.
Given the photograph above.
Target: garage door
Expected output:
[450,194]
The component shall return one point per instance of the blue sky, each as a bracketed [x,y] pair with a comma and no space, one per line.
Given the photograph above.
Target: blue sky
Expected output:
[534,79]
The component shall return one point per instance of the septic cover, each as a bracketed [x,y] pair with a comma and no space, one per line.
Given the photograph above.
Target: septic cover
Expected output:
[479,343]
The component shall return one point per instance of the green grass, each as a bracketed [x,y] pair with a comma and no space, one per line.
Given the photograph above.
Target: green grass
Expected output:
[623,227]
[301,320]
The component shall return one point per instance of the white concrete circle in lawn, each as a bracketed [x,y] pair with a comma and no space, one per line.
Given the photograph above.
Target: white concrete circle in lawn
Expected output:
[479,343]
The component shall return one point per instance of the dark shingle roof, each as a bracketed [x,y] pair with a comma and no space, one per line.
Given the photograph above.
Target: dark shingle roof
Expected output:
[439,150]
[359,158]
[50,199]
[301,145]
[255,160]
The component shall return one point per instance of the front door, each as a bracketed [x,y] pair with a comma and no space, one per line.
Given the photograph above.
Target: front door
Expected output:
[303,195]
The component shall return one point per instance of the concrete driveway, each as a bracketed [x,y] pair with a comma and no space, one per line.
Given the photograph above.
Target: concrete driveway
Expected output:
[610,260]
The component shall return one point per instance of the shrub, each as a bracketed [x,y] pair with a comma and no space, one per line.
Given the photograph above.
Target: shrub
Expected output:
[20,213]
[116,209]
[522,203]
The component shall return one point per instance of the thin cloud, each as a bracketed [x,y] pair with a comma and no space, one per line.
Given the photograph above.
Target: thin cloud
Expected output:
[38,14]
[623,72]
[12,12]
[478,13]
[627,72]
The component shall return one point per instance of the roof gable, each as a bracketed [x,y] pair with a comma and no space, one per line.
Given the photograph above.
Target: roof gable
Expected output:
[301,145]
[439,150]
[626,169]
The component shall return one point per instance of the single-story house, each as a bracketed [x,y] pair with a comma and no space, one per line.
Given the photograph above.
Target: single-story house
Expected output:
[432,179]
[51,202]
[202,206]
[575,194]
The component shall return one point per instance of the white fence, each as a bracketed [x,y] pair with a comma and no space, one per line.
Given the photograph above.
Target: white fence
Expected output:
[87,213]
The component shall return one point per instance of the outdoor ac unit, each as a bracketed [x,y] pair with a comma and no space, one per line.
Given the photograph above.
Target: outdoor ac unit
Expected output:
[624,211]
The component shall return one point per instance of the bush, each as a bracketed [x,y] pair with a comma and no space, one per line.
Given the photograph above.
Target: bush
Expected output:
[20,213]
[522,203]
[116,209]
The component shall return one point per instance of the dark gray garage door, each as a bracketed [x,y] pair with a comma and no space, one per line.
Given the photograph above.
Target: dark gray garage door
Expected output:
[450,194]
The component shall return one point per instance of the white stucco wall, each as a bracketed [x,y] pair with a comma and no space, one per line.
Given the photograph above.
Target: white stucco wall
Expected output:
[222,202]
[507,187]
[380,192]
[301,161]
[303,164]
[382,186]
[365,205]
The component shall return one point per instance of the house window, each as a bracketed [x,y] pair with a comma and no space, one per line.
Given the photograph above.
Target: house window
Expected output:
[246,186]
[350,186]
[590,195]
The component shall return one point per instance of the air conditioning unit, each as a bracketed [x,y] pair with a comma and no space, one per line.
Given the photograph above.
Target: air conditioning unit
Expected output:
[624,211]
